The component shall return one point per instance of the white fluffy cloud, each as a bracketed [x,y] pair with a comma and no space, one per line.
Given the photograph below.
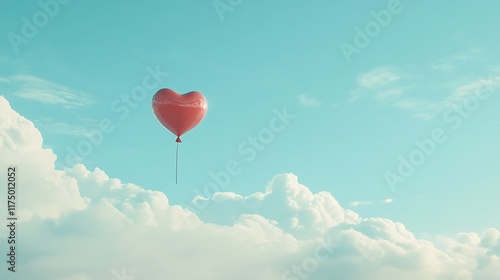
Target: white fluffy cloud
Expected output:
[300,212]
[20,144]
[79,224]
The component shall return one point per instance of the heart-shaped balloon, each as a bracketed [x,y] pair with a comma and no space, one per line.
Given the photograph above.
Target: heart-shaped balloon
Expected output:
[179,113]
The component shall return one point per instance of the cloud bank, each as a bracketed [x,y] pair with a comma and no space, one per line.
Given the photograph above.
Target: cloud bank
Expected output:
[80,224]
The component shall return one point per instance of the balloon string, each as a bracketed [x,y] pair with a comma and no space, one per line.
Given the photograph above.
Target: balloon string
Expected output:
[176,161]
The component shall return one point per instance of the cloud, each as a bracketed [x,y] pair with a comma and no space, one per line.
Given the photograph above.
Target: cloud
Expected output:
[36,89]
[385,85]
[82,224]
[470,89]
[302,213]
[389,94]
[445,67]
[382,83]
[378,77]
[359,203]
[308,101]
[451,62]
[420,108]
[20,143]
[61,128]
[428,109]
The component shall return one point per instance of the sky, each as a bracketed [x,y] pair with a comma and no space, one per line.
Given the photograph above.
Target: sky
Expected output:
[386,138]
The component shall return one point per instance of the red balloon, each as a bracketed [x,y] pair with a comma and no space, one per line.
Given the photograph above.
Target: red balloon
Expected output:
[179,113]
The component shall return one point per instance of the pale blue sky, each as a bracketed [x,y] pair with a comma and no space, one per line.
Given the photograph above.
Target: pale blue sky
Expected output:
[353,120]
